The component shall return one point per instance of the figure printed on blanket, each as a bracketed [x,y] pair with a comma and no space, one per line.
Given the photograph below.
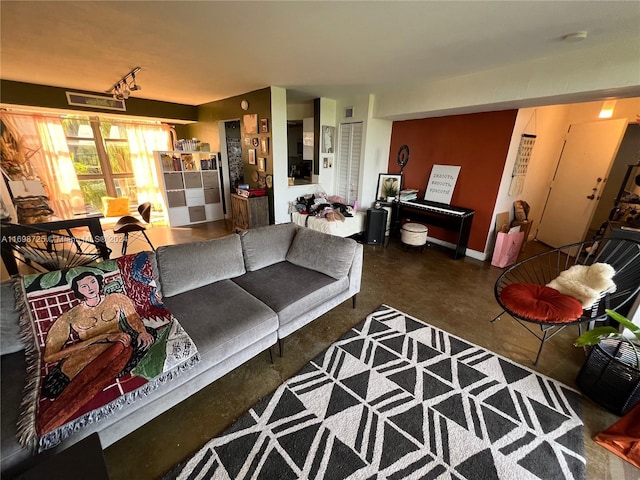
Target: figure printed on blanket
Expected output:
[112,339]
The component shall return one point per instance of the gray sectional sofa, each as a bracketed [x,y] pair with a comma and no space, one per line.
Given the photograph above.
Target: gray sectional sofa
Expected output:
[236,297]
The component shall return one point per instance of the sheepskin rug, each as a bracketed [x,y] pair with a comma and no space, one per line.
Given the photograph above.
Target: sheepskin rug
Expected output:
[585,282]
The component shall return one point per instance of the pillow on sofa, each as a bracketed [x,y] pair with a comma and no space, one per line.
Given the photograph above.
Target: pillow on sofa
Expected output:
[10,340]
[115,206]
[265,246]
[321,252]
[189,266]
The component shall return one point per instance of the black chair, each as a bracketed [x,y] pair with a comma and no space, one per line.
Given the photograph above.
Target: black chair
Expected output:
[129,224]
[46,251]
[622,254]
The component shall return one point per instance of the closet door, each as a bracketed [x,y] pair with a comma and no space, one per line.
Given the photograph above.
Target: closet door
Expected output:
[349,161]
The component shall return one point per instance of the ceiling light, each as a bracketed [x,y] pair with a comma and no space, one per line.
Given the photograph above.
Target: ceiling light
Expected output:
[607,109]
[127,84]
[575,36]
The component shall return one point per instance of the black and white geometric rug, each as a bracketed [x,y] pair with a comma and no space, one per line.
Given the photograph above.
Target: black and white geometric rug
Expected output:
[396,398]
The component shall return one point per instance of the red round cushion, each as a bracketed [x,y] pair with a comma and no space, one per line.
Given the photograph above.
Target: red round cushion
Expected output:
[540,303]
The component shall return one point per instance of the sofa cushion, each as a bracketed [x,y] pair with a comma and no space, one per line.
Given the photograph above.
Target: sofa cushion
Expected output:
[188,266]
[291,290]
[323,253]
[10,340]
[229,320]
[265,246]
[115,206]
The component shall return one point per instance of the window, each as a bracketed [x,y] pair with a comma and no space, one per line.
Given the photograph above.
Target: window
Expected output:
[101,158]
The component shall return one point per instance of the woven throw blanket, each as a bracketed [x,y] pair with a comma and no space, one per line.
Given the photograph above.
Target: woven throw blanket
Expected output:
[98,337]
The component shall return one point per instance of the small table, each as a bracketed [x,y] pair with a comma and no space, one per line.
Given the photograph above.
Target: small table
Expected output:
[91,221]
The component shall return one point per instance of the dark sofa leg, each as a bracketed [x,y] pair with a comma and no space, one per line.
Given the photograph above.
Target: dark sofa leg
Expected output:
[281,347]
[353,301]
[271,353]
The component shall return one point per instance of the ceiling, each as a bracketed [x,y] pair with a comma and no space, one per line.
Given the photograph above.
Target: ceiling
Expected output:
[194,52]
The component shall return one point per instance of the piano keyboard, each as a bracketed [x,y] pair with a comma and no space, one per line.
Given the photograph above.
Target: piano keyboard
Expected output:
[436,207]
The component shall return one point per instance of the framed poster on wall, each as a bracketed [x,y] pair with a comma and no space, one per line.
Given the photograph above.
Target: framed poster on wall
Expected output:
[441,184]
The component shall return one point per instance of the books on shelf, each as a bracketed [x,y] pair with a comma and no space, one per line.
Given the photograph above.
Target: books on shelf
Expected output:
[408,194]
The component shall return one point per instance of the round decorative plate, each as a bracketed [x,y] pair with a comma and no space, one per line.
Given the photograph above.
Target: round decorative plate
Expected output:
[254,175]
[255,141]
[244,105]
[269,181]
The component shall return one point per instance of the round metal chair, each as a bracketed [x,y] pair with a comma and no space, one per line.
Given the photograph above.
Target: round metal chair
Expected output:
[622,254]
[129,224]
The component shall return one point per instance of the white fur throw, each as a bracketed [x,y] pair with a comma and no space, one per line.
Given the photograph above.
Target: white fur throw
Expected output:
[585,282]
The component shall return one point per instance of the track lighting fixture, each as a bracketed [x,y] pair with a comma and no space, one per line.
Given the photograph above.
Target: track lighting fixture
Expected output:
[121,90]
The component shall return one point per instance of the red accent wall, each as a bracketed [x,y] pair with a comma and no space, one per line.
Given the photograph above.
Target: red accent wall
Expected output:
[478,142]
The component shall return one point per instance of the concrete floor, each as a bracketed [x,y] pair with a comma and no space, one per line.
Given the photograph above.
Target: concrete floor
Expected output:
[456,296]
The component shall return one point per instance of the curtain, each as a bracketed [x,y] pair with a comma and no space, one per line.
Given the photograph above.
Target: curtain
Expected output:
[51,161]
[143,141]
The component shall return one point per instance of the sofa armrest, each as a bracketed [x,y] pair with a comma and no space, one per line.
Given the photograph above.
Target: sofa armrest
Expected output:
[355,272]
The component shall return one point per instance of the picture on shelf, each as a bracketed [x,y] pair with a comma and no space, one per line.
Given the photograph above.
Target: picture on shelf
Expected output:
[389,185]
[264,146]
[252,156]
[262,164]
[264,125]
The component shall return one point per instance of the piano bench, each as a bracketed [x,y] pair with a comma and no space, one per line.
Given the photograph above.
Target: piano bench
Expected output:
[414,235]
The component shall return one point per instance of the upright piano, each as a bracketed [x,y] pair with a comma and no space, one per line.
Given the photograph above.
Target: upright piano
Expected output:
[450,217]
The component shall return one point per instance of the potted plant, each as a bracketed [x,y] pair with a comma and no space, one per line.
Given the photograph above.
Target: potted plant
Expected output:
[390,189]
[611,374]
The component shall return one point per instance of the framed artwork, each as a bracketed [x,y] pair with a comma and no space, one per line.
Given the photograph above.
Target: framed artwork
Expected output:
[252,156]
[247,141]
[264,146]
[328,135]
[389,186]
[262,164]
[255,142]
[250,122]
[264,125]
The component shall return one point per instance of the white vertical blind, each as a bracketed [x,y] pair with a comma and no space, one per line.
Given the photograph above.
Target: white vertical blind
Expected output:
[349,161]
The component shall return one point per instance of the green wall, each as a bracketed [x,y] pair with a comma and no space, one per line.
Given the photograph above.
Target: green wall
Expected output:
[29,94]
[207,130]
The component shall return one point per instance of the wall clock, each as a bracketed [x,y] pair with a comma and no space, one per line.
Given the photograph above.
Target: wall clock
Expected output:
[244,105]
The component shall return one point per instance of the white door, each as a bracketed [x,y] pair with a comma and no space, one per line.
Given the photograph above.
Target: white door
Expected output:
[349,161]
[586,159]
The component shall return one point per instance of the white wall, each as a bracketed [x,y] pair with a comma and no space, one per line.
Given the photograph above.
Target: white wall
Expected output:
[280,154]
[550,125]
[584,75]
[375,148]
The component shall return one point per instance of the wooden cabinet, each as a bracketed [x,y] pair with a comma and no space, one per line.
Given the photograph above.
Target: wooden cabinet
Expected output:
[249,212]
[191,186]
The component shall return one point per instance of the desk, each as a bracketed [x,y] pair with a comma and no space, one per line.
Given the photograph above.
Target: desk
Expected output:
[91,221]
[459,221]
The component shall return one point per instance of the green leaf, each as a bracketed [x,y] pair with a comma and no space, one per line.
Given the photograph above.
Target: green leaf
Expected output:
[593,337]
[50,279]
[624,322]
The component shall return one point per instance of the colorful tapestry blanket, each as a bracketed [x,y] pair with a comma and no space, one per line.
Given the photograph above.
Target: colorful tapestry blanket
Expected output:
[98,337]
